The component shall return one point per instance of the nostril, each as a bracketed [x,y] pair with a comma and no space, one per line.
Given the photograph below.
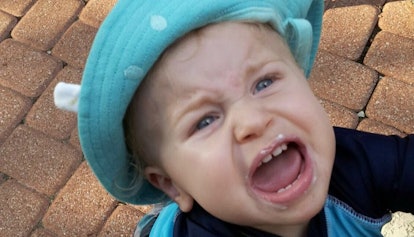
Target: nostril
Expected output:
[243,136]
[248,137]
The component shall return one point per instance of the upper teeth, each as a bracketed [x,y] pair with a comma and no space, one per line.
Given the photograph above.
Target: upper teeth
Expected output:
[275,153]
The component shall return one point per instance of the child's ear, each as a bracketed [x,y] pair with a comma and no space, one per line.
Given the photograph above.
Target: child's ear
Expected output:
[159,179]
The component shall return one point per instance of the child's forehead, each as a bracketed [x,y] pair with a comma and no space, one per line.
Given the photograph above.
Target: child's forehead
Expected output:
[211,37]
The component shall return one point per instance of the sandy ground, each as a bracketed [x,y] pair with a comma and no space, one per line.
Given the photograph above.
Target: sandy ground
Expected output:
[401,225]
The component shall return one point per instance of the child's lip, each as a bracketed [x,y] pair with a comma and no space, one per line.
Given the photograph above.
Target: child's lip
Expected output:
[298,187]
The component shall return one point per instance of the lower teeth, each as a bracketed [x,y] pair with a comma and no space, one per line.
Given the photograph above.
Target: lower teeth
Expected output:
[289,186]
[281,190]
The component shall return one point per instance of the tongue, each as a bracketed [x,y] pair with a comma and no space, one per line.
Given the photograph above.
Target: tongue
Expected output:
[279,172]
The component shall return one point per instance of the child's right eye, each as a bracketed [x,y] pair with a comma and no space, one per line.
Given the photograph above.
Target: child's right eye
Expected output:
[205,121]
[263,84]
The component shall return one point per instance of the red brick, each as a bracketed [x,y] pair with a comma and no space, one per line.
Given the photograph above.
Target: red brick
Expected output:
[122,222]
[340,116]
[42,233]
[13,107]
[75,44]
[393,56]
[398,18]
[45,22]
[7,23]
[74,139]
[38,161]
[342,81]
[20,209]
[96,11]
[26,70]
[348,3]
[81,207]
[16,7]
[393,104]
[46,117]
[370,125]
[346,31]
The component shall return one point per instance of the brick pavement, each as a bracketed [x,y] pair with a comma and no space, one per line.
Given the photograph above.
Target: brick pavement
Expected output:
[364,77]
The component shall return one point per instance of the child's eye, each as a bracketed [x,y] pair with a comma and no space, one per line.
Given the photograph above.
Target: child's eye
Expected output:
[263,84]
[205,121]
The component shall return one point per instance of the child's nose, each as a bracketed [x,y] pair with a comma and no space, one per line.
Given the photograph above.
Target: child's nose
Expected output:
[250,121]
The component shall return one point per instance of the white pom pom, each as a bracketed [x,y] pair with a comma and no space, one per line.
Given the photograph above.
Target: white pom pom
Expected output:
[66,96]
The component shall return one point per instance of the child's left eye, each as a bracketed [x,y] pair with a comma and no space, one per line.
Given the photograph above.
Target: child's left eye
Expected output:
[263,84]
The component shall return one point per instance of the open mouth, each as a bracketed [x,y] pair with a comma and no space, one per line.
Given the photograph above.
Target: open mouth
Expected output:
[282,173]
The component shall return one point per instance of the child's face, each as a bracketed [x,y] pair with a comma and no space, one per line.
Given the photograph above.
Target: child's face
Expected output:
[230,98]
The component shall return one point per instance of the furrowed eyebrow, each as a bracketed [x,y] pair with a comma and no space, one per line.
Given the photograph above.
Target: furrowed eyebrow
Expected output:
[187,108]
[197,100]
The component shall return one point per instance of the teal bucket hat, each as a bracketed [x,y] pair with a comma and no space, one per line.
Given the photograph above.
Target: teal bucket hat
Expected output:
[129,42]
